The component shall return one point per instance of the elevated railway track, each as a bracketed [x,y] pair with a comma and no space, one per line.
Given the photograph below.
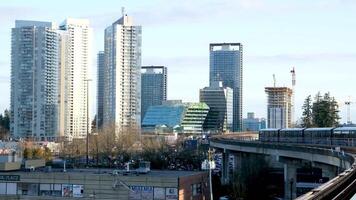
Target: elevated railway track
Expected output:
[341,187]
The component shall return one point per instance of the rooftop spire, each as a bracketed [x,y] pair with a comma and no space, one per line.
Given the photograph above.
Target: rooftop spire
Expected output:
[123,11]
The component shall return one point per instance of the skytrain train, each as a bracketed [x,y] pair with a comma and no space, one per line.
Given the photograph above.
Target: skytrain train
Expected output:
[341,136]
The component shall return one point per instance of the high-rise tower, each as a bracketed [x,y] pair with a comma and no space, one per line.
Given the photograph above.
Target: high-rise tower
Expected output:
[34,80]
[279,107]
[100,89]
[122,94]
[153,87]
[76,47]
[226,66]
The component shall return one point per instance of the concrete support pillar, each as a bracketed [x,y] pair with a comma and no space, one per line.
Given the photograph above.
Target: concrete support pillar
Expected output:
[225,168]
[290,179]
[237,162]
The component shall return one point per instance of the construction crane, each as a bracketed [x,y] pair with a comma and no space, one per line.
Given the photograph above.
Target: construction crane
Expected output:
[274,80]
[293,94]
[293,77]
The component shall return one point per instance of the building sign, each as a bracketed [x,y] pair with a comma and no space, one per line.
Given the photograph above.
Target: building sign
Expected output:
[9,178]
[147,193]
[141,193]
[171,194]
[159,193]
[78,191]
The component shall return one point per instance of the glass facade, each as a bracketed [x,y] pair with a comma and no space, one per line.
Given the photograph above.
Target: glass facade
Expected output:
[194,118]
[169,116]
[226,66]
[220,101]
[100,90]
[153,87]
[185,118]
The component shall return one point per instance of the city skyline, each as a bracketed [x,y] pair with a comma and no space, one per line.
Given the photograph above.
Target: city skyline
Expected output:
[298,40]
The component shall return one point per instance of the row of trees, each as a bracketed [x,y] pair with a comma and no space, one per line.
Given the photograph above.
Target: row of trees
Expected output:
[4,125]
[38,153]
[107,148]
[322,112]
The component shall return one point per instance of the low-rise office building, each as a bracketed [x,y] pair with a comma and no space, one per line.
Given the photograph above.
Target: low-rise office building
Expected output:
[92,184]
[175,117]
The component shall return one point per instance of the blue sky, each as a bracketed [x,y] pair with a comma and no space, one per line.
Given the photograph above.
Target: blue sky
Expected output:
[316,37]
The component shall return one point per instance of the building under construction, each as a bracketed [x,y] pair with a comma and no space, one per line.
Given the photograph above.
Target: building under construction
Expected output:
[279,107]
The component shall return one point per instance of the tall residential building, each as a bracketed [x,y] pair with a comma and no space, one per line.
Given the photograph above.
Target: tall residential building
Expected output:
[122,95]
[34,80]
[226,65]
[100,89]
[279,109]
[153,87]
[75,69]
[219,100]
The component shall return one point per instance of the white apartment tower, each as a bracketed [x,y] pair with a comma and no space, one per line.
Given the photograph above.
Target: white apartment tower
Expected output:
[34,80]
[122,94]
[74,74]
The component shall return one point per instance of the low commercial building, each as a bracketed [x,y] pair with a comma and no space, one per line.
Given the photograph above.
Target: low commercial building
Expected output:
[175,117]
[10,156]
[93,184]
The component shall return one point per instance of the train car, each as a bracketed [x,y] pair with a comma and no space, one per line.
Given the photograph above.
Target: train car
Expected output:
[291,135]
[318,135]
[269,135]
[344,136]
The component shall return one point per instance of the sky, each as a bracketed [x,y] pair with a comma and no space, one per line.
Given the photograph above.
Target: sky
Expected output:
[316,37]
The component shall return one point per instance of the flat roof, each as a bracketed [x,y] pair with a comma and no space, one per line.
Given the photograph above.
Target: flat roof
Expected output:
[320,129]
[93,171]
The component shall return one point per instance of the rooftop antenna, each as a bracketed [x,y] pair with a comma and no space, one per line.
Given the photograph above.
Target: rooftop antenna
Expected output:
[274,80]
[123,11]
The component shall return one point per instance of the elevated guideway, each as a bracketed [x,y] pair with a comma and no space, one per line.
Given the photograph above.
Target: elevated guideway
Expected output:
[343,186]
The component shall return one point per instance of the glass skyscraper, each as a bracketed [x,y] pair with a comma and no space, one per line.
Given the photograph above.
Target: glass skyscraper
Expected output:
[100,89]
[153,87]
[226,66]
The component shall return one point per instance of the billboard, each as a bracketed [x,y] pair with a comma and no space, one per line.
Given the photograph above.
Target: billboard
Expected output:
[67,190]
[171,194]
[78,190]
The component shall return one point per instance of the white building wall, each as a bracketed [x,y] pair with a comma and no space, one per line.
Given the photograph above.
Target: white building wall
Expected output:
[122,96]
[77,72]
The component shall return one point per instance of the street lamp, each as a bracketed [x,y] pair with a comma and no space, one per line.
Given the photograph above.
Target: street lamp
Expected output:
[209,164]
[87,139]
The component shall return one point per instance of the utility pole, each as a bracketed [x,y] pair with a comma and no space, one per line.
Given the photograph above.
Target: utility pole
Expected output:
[87,138]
